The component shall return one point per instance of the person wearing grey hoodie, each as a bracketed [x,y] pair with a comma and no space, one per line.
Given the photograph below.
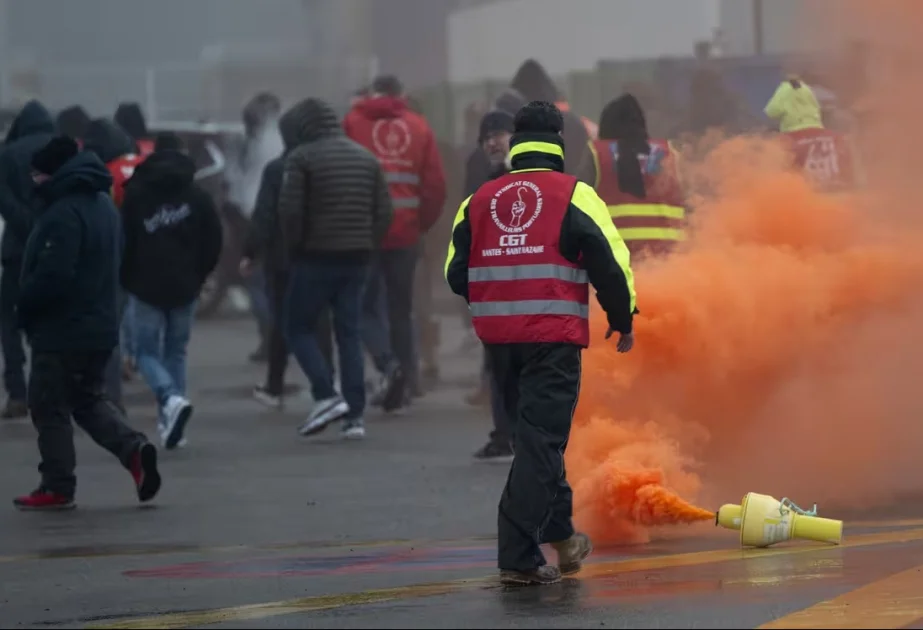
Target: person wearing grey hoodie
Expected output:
[32,129]
[264,245]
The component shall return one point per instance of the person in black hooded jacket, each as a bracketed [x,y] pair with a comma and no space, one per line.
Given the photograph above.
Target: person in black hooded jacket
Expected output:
[31,130]
[173,240]
[68,309]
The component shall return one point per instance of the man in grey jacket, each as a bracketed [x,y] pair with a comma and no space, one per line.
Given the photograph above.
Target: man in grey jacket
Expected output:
[334,209]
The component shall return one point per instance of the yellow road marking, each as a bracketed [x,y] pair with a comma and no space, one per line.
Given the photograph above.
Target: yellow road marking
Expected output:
[327,602]
[163,550]
[893,602]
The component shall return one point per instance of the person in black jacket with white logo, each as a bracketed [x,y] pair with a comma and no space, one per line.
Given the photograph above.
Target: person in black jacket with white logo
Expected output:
[173,240]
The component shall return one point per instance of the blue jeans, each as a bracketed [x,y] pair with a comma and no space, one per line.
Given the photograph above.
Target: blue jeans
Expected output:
[313,286]
[161,338]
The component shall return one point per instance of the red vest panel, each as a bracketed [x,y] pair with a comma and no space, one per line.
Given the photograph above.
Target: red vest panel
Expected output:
[825,158]
[653,224]
[520,288]
[121,169]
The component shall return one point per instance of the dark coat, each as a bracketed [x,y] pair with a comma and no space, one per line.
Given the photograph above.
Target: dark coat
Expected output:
[69,282]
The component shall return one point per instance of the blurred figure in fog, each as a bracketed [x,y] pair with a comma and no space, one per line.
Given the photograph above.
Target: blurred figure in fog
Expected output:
[31,130]
[334,209]
[711,105]
[130,118]
[262,143]
[68,308]
[495,134]
[172,243]
[266,244]
[827,158]
[406,148]
[73,122]
[119,153]
[534,84]
[636,176]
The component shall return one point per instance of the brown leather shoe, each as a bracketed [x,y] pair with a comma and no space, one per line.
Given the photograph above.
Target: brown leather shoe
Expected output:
[547,574]
[572,552]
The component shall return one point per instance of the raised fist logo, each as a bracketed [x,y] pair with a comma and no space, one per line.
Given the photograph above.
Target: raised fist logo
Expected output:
[519,208]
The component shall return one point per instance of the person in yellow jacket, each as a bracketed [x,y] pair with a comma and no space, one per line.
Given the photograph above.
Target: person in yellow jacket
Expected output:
[794,106]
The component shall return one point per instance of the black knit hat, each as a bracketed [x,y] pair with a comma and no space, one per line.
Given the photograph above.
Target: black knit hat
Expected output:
[54,155]
[494,121]
[539,117]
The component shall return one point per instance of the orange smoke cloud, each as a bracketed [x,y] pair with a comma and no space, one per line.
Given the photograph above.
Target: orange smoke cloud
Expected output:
[778,352]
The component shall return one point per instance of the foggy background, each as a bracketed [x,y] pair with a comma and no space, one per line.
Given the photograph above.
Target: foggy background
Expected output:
[192,60]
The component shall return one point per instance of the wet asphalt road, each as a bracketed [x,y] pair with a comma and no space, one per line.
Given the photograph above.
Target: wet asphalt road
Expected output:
[257,527]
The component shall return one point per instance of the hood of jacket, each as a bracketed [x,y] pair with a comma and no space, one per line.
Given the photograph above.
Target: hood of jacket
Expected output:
[378,107]
[32,120]
[309,120]
[164,171]
[623,118]
[129,117]
[83,173]
[73,121]
[107,140]
[510,101]
[533,83]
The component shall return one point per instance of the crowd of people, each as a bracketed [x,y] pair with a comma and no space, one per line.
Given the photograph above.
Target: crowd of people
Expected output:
[109,239]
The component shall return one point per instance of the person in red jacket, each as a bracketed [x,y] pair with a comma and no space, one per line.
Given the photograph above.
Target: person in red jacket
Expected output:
[406,148]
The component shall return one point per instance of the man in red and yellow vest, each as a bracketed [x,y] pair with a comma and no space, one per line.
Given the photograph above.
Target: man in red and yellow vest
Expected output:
[525,248]
[637,178]
[406,147]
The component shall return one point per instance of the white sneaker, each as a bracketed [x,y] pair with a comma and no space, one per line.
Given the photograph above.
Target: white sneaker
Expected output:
[324,413]
[176,412]
[353,429]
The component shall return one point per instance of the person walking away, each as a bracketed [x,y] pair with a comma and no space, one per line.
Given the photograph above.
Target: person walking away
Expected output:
[524,249]
[172,243]
[30,131]
[130,117]
[334,210]
[119,153]
[406,148]
[68,308]
[637,177]
[828,159]
[495,134]
[534,84]
[265,243]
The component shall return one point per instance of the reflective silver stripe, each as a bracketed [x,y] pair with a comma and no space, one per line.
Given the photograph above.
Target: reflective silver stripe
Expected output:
[530,307]
[527,272]
[406,202]
[402,178]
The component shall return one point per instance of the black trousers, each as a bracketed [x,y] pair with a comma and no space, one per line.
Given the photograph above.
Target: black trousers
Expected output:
[71,386]
[539,384]
[277,286]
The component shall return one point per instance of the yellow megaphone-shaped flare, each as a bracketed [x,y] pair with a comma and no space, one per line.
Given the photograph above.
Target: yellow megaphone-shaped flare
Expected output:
[764,521]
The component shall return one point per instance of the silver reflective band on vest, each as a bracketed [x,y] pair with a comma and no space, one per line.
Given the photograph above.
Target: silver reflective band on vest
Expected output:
[530,307]
[527,272]
[405,202]
[402,178]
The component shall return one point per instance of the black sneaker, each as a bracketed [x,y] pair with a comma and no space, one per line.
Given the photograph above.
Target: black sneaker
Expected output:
[395,393]
[495,452]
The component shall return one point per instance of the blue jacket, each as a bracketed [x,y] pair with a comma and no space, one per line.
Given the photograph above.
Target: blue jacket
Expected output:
[70,268]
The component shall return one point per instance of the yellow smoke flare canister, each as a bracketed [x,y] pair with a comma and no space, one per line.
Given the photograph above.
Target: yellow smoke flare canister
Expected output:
[763,521]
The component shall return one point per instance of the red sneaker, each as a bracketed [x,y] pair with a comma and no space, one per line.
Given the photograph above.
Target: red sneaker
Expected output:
[144,471]
[43,499]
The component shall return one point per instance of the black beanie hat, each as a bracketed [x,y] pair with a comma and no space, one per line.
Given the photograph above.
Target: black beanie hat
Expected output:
[54,155]
[494,121]
[539,117]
